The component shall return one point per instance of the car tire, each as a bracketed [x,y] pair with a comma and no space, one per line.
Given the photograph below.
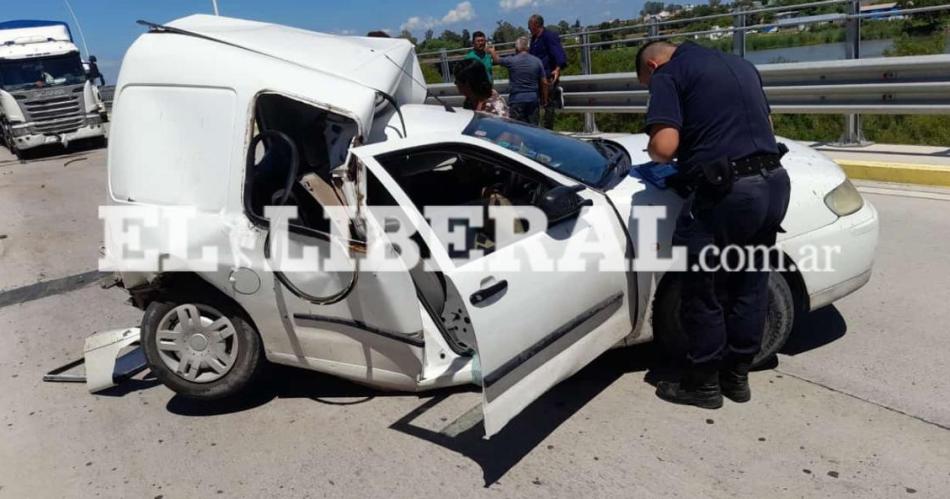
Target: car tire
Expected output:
[669,334]
[217,368]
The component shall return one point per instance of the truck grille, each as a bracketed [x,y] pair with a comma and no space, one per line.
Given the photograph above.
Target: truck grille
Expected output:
[56,115]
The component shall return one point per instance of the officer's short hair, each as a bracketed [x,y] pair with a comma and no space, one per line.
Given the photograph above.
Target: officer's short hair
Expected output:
[641,54]
[537,19]
[478,34]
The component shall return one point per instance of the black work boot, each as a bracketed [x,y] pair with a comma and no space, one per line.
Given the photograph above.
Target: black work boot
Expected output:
[699,387]
[734,378]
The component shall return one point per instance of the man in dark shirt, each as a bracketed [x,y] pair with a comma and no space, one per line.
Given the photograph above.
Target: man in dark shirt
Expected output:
[527,83]
[708,110]
[546,45]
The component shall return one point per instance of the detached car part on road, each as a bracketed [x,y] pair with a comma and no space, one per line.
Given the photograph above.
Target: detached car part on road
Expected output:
[198,100]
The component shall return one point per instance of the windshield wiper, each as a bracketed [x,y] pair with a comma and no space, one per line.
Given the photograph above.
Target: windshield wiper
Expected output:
[614,160]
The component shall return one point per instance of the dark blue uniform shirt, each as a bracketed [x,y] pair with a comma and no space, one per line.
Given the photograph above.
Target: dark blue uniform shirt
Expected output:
[547,47]
[717,103]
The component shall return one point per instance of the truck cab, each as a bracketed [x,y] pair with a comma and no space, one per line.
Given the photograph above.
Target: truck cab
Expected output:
[45,96]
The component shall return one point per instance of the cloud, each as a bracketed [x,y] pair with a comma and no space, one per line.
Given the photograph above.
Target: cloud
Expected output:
[415,22]
[462,12]
[507,5]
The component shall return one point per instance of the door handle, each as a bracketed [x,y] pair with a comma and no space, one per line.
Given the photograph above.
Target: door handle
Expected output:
[486,293]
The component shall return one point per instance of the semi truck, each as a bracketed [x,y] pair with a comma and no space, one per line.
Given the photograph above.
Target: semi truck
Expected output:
[45,95]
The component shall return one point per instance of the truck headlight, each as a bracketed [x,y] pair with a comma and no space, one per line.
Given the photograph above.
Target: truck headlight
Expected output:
[93,119]
[844,199]
[19,131]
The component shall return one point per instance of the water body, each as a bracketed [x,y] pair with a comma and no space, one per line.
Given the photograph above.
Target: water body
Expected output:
[823,52]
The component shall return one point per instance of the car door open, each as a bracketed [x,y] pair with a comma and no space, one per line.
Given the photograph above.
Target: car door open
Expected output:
[537,307]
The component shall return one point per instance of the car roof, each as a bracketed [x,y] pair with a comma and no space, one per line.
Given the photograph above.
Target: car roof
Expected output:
[386,64]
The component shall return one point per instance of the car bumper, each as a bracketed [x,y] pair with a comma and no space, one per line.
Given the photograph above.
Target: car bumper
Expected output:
[845,255]
[85,132]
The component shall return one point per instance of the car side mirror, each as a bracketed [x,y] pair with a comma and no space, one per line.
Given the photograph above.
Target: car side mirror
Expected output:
[562,202]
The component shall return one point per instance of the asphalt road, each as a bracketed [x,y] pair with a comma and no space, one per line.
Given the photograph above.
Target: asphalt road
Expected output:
[859,404]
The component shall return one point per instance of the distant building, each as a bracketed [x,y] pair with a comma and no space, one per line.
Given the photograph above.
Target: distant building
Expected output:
[804,22]
[882,11]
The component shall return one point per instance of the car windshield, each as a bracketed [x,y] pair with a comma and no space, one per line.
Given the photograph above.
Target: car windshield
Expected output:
[575,158]
[22,74]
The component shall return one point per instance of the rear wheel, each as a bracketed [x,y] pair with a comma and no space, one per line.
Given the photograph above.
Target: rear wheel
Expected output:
[199,349]
[669,331]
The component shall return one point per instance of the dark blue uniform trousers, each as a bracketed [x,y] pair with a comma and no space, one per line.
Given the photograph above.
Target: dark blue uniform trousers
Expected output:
[727,309]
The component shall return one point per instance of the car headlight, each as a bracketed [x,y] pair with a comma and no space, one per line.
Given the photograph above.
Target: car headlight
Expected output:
[844,199]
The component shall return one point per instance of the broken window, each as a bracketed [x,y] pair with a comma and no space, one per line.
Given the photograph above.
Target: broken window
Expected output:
[461,175]
[322,141]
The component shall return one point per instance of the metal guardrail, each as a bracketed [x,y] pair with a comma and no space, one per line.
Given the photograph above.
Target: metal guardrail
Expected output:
[887,85]
[651,29]
[652,24]
[868,93]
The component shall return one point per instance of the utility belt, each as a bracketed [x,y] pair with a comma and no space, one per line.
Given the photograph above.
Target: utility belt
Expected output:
[720,175]
[723,171]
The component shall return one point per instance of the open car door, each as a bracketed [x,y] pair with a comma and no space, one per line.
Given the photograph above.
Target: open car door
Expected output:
[530,328]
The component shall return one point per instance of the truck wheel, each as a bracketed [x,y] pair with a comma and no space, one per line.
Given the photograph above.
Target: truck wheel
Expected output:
[669,333]
[201,350]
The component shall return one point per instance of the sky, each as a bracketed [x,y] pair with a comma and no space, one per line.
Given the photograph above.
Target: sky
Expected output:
[109,25]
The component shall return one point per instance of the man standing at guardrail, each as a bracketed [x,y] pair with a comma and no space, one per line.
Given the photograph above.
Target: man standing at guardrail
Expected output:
[546,45]
[527,83]
[480,54]
[707,109]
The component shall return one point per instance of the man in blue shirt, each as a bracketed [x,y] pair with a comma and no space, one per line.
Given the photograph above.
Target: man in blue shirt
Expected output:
[708,110]
[527,82]
[546,45]
[478,52]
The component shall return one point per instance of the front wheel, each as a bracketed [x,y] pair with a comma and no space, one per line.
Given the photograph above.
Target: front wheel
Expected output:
[668,330]
[201,350]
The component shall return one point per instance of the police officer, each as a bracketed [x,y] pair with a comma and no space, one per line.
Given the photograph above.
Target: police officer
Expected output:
[707,110]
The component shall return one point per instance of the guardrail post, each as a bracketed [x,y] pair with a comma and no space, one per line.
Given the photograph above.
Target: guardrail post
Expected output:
[738,34]
[444,60]
[853,31]
[653,28]
[853,134]
[590,121]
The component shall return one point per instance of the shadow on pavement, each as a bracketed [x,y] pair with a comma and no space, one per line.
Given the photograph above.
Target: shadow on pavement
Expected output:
[286,382]
[465,435]
[815,330]
[131,385]
[55,150]
[534,424]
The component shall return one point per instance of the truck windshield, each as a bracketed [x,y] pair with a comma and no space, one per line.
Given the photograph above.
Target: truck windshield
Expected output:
[575,158]
[23,74]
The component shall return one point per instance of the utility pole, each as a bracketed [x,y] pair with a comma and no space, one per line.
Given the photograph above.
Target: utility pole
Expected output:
[214,5]
[82,37]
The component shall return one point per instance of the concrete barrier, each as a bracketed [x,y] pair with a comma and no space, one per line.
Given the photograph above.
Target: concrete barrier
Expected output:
[902,173]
